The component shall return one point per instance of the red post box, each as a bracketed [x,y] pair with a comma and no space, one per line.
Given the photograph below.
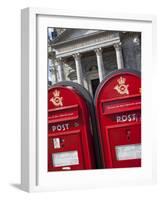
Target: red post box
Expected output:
[118,110]
[93,122]
[70,142]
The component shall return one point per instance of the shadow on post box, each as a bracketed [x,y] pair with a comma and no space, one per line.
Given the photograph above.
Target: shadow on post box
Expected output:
[118,110]
[70,138]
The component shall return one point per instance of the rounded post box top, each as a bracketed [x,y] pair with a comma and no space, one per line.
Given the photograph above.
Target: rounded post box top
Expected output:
[61,97]
[119,84]
[79,88]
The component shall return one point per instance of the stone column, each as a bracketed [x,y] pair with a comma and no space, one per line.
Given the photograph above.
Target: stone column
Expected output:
[53,70]
[79,71]
[119,57]
[85,84]
[100,64]
[54,75]
[60,69]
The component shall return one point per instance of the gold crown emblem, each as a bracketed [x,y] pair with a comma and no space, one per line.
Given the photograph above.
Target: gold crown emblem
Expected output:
[121,80]
[56,93]
[121,87]
[56,99]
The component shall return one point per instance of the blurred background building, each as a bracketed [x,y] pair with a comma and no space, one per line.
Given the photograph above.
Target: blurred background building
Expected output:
[87,56]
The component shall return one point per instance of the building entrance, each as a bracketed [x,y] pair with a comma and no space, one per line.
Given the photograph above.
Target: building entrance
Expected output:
[94,84]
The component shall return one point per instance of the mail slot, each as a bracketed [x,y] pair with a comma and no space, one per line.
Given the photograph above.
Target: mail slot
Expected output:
[118,110]
[70,139]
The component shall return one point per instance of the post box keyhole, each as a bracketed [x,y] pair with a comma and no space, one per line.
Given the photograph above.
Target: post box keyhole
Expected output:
[128,134]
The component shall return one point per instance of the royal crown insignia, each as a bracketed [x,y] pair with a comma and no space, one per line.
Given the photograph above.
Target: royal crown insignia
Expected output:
[121,88]
[56,99]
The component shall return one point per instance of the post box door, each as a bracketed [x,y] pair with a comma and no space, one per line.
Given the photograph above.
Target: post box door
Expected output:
[125,145]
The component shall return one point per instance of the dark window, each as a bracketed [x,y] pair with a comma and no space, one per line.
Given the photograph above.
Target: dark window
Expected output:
[94,83]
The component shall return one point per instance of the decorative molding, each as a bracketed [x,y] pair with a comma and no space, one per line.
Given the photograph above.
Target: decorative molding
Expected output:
[98,51]
[77,56]
[84,45]
[117,46]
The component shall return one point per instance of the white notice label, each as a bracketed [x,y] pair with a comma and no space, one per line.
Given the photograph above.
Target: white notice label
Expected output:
[65,158]
[56,142]
[128,152]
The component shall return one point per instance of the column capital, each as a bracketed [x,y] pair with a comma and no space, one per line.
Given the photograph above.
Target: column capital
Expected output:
[98,51]
[53,69]
[59,60]
[117,45]
[76,55]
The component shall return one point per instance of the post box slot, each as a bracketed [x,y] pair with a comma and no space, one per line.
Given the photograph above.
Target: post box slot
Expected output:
[63,114]
[110,107]
[63,133]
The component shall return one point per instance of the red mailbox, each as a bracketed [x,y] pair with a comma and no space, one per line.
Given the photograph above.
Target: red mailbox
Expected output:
[70,142]
[118,109]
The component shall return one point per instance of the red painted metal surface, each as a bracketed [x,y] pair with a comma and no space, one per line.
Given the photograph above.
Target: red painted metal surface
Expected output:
[118,109]
[70,145]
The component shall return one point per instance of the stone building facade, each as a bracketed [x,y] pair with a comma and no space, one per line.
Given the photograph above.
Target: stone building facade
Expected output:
[87,56]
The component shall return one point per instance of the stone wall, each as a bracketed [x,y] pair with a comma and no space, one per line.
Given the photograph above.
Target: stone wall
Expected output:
[131,49]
